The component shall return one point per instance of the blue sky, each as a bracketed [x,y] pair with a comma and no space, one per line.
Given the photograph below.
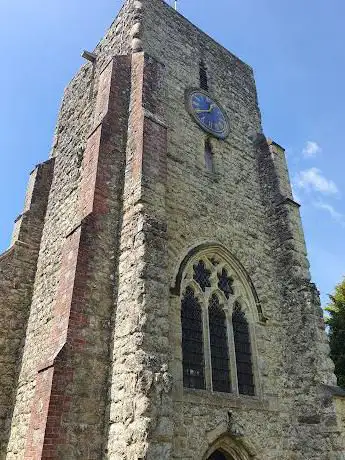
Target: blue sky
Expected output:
[295,48]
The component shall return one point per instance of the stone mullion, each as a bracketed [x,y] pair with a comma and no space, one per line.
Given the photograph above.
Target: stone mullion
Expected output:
[207,341]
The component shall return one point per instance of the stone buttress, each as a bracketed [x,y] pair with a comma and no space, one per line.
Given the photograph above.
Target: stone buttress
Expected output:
[17,273]
[91,287]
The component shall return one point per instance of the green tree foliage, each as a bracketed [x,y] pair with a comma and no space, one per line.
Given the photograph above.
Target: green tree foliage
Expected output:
[336,325]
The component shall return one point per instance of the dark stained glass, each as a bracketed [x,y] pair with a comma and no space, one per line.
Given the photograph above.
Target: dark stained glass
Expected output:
[202,275]
[225,283]
[243,352]
[219,347]
[192,341]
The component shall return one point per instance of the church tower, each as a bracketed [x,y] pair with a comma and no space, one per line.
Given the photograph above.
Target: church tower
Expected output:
[156,301]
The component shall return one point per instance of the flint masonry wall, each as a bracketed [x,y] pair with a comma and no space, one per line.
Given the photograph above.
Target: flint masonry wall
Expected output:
[223,207]
[17,273]
[64,215]
[101,366]
[247,206]
[141,385]
[61,218]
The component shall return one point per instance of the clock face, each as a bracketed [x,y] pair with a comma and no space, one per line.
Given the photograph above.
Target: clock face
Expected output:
[207,113]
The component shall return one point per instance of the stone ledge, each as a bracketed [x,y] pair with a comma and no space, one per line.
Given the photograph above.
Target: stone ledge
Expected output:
[23,214]
[287,200]
[151,116]
[228,400]
[43,163]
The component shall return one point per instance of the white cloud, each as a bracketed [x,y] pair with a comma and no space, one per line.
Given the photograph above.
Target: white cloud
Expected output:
[311,149]
[336,216]
[313,180]
[295,195]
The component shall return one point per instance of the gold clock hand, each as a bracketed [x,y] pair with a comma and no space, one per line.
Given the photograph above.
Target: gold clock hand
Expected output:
[212,106]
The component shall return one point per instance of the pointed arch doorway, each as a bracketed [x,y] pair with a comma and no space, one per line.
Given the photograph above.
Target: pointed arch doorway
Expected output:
[226,448]
[218,455]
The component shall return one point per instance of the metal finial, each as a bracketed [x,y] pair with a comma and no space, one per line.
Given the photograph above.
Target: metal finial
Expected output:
[175,5]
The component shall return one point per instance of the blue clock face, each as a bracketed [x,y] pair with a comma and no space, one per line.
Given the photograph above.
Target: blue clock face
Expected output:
[207,113]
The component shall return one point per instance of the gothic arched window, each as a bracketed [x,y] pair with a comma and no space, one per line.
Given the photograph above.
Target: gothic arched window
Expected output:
[219,346]
[244,367]
[192,341]
[216,337]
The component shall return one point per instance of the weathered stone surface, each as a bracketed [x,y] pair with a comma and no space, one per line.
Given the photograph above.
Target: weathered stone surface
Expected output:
[17,274]
[92,365]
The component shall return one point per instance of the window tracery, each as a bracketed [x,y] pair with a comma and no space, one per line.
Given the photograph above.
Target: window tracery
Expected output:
[202,275]
[216,332]
[225,283]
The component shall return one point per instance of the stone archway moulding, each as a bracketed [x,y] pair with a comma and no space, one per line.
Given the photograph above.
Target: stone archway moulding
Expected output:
[229,447]
[214,248]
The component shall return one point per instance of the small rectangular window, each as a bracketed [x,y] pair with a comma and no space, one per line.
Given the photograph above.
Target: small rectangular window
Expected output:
[208,156]
[203,76]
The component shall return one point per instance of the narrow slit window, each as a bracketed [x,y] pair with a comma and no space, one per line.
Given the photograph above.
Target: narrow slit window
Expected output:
[244,365]
[192,341]
[209,156]
[203,76]
[219,346]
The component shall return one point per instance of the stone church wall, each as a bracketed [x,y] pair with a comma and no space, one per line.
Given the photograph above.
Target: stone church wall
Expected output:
[61,218]
[63,215]
[101,366]
[17,273]
[246,205]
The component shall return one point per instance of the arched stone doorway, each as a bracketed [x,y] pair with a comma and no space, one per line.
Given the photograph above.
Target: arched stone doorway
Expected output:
[218,455]
[227,448]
